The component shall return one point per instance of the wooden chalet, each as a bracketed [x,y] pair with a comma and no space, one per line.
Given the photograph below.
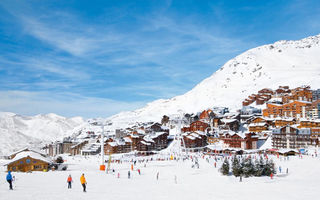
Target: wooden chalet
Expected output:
[196,126]
[240,140]
[29,161]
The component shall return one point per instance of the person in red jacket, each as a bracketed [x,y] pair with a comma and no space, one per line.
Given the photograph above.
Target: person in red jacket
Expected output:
[69,181]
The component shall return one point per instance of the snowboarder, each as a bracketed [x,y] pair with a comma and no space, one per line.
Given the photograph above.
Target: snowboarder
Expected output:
[69,181]
[128,174]
[83,182]
[9,179]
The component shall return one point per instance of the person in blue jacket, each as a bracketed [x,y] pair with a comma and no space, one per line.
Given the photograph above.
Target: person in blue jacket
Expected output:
[9,179]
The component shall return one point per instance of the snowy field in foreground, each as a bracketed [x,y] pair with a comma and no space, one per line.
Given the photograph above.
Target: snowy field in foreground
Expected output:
[203,183]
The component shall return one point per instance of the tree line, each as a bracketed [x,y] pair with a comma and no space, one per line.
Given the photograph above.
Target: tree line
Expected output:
[247,167]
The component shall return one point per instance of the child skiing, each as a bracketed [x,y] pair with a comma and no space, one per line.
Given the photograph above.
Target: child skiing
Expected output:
[9,179]
[83,182]
[69,181]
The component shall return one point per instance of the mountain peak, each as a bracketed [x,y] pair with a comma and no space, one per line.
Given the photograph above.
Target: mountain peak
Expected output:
[285,62]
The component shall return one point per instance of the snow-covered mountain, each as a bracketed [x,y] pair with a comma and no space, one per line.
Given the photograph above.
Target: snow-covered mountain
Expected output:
[292,63]
[18,131]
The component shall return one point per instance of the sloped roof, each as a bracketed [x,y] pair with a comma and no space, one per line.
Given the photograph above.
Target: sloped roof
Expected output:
[31,154]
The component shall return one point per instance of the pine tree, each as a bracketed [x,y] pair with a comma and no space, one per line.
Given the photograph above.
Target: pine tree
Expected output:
[258,167]
[225,167]
[269,168]
[236,167]
[247,167]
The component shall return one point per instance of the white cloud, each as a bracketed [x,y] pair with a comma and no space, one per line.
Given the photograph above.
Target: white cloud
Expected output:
[32,103]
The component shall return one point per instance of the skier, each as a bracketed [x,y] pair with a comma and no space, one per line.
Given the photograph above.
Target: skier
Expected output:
[69,181]
[9,179]
[280,169]
[175,179]
[240,178]
[128,174]
[139,171]
[287,170]
[271,175]
[157,175]
[83,182]
[118,175]
[215,165]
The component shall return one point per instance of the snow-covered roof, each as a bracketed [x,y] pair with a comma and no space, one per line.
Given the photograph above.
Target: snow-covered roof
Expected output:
[26,149]
[113,144]
[228,120]
[145,143]
[164,128]
[31,154]
[127,139]
[190,137]
[257,124]
[287,150]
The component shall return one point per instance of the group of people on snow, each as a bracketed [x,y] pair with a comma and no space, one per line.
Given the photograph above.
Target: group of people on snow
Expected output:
[83,181]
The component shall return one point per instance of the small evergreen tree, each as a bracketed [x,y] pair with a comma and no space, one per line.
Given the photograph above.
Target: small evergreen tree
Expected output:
[269,168]
[258,167]
[225,167]
[247,167]
[236,167]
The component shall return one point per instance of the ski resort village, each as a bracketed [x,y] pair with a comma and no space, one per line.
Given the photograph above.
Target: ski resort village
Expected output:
[269,144]
[159,100]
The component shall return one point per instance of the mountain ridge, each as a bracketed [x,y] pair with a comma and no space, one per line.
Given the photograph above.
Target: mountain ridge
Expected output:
[260,67]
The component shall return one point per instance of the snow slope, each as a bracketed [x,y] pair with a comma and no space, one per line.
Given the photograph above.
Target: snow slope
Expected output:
[292,63]
[302,182]
[19,131]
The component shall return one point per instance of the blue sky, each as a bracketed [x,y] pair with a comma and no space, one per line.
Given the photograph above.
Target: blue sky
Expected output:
[97,58]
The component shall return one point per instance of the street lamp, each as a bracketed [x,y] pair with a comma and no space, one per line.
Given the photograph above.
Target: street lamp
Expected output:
[102,166]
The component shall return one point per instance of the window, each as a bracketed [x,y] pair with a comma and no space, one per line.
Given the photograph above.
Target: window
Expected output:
[28,161]
[37,167]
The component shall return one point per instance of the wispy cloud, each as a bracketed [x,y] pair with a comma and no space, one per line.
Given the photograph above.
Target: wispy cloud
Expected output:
[113,59]
[66,104]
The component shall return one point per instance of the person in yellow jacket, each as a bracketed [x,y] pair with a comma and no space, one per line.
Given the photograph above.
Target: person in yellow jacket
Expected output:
[83,182]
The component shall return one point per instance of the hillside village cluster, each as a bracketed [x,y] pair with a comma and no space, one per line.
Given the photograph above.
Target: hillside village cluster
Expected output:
[288,123]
